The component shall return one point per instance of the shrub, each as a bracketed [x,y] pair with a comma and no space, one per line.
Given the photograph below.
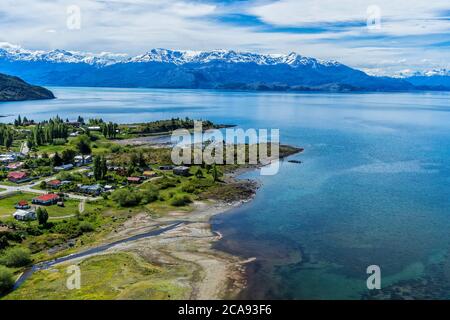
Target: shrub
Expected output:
[187,187]
[86,226]
[59,141]
[126,197]
[16,257]
[6,280]
[150,195]
[180,201]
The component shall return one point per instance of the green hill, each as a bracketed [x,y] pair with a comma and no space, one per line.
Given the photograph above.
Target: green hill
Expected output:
[15,89]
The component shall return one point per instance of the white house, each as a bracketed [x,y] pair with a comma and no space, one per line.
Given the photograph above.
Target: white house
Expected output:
[24,215]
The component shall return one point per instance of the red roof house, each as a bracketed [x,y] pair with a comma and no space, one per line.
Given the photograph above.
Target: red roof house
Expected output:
[46,199]
[17,176]
[22,204]
[54,183]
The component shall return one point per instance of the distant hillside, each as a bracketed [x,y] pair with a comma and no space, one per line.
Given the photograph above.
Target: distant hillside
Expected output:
[218,69]
[15,89]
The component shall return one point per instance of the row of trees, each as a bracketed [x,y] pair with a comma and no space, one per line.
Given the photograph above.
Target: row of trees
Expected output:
[47,132]
[109,130]
[6,136]
[19,121]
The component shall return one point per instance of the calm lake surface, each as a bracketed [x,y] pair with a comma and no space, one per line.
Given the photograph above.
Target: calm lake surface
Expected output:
[373,188]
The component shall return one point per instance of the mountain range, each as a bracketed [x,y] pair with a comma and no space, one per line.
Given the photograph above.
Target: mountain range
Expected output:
[217,69]
[15,89]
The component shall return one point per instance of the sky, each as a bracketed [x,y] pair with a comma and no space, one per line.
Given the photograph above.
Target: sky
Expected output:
[377,36]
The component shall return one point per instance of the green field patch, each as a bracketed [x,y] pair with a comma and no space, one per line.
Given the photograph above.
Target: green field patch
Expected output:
[109,276]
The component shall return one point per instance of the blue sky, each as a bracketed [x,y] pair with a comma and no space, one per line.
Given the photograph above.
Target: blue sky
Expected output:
[410,35]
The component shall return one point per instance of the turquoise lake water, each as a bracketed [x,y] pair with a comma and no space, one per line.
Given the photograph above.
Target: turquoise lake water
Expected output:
[373,187]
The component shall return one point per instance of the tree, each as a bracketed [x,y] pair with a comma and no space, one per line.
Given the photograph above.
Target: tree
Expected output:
[6,280]
[83,145]
[57,160]
[68,155]
[199,173]
[215,173]
[42,215]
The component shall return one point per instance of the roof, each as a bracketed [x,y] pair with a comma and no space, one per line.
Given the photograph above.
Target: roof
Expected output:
[148,173]
[54,182]
[22,203]
[134,179]
[14,165]
[181,168]
[47,197]
[17,175]
[22,213]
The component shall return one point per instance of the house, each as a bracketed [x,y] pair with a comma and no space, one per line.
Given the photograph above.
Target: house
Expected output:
[24,215]
[54,184]
[14,165]
[10,157]
[94,128]
[75,124]
[134,179]
[22,204]
[46,199]
[150,174]
[64,167]
[79,161]
[165,167]
[18,176]
[181,171]
[94,189]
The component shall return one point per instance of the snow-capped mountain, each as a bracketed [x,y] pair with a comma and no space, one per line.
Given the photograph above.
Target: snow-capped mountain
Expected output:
[434,79]
[217,69]
[16,53]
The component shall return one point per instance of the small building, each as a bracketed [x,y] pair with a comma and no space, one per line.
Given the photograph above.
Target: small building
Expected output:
[108,187]
[18,176]
[166,167]
[24,215]
[74,134]
[94,189]
[134,179]
[150,174]
[94,128]
[14,165]
[79,160]
[75,124]
[10,157]
[181,171]
[23,205]
[54,184]
[64,167]
[46,199]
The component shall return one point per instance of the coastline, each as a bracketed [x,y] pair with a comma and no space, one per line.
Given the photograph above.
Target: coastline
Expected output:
[209,273]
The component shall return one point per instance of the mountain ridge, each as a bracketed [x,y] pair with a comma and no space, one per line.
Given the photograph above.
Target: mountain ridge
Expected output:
[216,69]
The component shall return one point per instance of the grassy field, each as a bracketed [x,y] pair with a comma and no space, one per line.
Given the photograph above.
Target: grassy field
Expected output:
[7,205]
[109,276]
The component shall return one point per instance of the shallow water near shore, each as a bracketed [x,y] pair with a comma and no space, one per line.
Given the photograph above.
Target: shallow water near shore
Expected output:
[372,188]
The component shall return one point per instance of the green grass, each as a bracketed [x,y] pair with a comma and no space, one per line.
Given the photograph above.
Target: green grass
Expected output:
[109,276]
[7,205]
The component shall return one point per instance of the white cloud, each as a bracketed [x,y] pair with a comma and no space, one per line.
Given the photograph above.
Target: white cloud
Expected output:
[136,26]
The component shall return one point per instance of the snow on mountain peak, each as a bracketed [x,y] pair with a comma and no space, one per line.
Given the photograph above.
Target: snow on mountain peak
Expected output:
[178,57]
